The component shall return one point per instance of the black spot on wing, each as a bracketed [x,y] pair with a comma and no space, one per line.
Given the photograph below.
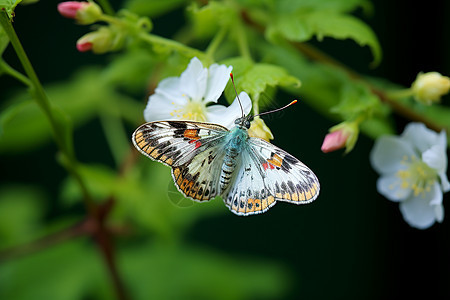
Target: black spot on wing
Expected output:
[178,125]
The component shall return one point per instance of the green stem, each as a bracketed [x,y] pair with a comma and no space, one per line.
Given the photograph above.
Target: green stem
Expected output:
[10,71]
[242,41]
[215,43]
[36,89]
[399,94]
[188,51]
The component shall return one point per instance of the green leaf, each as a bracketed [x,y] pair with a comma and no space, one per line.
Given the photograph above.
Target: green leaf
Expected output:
[256,78]
[302,25]
[9,6]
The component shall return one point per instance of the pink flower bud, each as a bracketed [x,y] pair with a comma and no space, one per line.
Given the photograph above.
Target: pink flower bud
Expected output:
[84,46]
[83,12]
[69,9]
[334,141]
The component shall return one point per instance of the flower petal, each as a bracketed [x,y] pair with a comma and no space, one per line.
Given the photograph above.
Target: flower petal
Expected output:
[418,211]
[435,194]
[420,136]
[170,88]
[439,213]
[226,116]
[193,80]
[387,154]
[159,108]
[218,77]
[390,186]
[445,184]
[435,157]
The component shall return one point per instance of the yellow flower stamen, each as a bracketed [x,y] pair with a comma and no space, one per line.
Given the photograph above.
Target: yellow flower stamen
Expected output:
[418,176]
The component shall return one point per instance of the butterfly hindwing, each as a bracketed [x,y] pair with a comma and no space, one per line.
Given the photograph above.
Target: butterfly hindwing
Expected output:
[249,194]
[288,178]
[194,150]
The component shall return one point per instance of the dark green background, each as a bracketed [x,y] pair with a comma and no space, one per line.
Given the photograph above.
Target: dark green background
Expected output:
[349,244]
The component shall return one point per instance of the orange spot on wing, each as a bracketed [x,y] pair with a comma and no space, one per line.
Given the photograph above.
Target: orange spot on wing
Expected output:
[191,134]
[273,162]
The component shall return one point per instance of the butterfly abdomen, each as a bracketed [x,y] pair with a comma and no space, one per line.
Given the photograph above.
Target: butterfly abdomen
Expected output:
[233,148]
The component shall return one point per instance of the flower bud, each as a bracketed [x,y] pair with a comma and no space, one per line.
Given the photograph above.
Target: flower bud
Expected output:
[83,12]
[103,40]
[340,136]
[259,129]
[430,87]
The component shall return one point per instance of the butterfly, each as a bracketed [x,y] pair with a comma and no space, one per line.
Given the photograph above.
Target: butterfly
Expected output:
[208,160]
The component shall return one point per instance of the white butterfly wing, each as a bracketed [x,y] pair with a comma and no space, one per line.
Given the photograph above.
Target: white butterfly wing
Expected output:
[194,150]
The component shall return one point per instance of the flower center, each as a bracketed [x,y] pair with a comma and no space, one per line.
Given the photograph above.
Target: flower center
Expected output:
[418,176]
[193,110]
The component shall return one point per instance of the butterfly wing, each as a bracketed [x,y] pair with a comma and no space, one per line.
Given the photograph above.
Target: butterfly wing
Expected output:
[194,150]
[268,174]
[288,178]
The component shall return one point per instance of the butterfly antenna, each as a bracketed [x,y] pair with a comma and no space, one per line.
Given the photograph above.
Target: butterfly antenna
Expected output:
[275,110]
[237,96]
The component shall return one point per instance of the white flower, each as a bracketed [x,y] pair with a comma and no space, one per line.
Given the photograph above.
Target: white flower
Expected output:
[187,97]
[413,172]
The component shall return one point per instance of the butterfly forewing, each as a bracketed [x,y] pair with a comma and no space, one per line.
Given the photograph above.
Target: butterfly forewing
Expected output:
[194,150]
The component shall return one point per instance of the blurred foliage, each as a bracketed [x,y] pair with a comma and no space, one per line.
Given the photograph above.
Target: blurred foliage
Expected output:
[155,256]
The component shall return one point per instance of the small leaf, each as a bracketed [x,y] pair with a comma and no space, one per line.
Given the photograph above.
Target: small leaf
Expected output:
[9,6]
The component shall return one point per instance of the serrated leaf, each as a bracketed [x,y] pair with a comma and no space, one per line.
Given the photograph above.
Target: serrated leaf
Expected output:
[303,25]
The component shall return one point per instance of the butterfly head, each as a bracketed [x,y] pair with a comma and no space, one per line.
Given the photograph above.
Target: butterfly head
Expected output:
[244,122]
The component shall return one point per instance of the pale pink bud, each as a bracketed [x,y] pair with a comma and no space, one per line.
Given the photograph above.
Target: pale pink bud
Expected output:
[334,141]
[69,9]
